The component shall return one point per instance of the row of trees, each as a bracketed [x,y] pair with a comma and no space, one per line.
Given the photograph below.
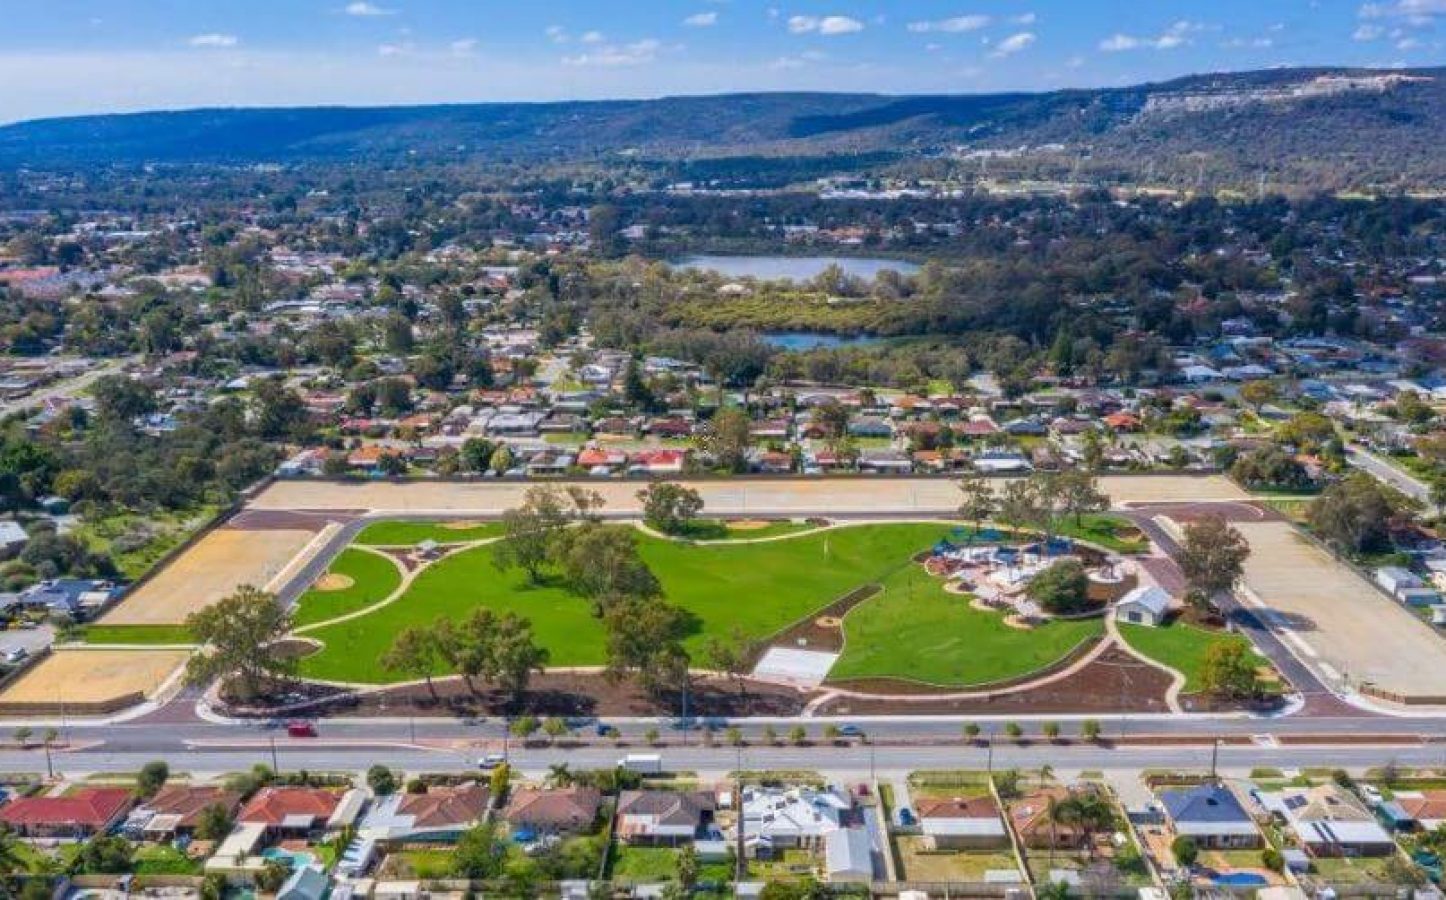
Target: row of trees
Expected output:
[559,534]
[498,648]
[1041,501]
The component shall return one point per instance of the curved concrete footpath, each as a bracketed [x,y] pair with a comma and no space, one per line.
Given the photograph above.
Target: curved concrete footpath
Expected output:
[1178,679]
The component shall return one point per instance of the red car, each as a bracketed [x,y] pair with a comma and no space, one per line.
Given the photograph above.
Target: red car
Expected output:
[301,729]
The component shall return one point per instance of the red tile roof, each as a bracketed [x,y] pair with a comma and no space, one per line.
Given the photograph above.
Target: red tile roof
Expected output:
[273,805]
[92,807]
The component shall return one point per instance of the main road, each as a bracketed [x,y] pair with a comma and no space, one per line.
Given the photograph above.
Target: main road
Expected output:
[241,751]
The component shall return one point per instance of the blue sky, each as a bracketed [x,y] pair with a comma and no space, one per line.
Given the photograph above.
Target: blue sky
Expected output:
[61,57]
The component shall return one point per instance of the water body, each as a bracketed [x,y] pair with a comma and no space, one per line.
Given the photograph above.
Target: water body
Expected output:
[814,340]
[795,268]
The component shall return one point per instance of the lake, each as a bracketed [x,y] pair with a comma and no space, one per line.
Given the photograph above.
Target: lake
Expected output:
[814,340]
[797,268]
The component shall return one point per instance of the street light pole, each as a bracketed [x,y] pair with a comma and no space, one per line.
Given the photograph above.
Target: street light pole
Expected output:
[275,760]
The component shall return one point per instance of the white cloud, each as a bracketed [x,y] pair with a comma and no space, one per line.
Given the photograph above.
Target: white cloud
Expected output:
[612,56]
[954,25]
[1028,18]
[557,34]
[1177,35]
[593,37]
[365,9]
[1419,11]
[1013,44]
[701,20]
[464,47]
[826,25]
[1368,33]
[395,49]
[786,63]
[214,40]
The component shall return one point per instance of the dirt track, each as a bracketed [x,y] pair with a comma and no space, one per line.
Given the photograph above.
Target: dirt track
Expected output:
[218,563]
[94,676]
[735,497]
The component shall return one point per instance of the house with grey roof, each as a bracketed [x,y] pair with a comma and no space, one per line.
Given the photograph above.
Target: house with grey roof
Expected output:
[1211,815]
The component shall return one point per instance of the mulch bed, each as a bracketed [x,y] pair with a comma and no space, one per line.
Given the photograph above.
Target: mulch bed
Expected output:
[823,638]
[1116,682]
[558,695]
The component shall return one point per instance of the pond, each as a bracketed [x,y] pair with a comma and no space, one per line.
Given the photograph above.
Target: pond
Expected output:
[815,340]
[797,268]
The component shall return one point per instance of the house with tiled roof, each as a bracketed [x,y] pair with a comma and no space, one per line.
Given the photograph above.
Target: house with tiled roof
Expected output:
[553,811]
[1423,810]
[1211,815]
[658,462]
[961,823]
[291,810]
[177,809]
[1330,821]
[440,814]
[663,817]
[79,815]
[1031,820]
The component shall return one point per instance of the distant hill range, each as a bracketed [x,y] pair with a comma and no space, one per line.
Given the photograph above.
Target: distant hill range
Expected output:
[1317,129]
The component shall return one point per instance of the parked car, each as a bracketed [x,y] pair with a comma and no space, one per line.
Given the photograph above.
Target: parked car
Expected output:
[301,729]
[907,818]
[491,761]
[850,731]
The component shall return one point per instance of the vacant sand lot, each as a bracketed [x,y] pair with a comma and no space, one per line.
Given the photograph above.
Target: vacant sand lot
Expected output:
[93,677]
[211,569]
[1346,623]
[816,496]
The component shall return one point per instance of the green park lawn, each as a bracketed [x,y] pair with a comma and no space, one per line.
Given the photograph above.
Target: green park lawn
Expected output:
[137,634]
[759,589]
[718,530]
[1111,532]
[401,533]
[917,630]
[373,578]
[1178,646]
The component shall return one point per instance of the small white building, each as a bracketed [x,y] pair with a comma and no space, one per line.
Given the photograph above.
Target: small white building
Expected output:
[1145,605]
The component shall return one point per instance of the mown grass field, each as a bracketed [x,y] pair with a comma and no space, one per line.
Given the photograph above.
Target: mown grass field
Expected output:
[915,630]
[401,533]
[1178,646]
[139,635]
[373,579]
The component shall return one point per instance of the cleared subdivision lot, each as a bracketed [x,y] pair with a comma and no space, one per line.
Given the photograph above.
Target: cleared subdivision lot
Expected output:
[816,496]
[85,679]
[1345,623]
[214,567]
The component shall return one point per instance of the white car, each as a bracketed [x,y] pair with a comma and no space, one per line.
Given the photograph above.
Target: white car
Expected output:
[491,761]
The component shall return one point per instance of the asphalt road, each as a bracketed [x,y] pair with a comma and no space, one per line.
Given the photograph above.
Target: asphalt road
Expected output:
[67,387]
[1389,474]
[1305,680]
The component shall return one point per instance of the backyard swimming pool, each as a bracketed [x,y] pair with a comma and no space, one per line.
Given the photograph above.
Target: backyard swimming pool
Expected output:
[293,858]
